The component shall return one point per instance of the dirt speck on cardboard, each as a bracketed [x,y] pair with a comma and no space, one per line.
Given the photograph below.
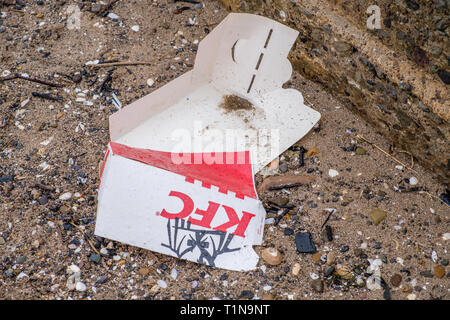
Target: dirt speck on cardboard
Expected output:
[233,102]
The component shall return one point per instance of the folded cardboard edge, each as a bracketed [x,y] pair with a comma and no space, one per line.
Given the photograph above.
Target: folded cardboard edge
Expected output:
[235,177]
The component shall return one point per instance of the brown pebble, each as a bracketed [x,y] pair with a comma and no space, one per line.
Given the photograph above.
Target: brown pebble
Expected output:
[312,152]
[316,257]
[377,216]
[296,269]
[317,285]
[272,256]
[144,271]
[396,280]
[439,271]
[331,257]
[267,296]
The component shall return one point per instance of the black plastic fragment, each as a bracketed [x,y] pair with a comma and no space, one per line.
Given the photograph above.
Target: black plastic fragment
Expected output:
[304,243]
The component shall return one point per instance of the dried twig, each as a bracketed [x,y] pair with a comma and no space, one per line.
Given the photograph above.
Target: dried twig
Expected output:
[433,196]
[328,218]
[385,152]
[280,216]
[86,237]
[412,158]
[122,63]
[19,76]
[46,96]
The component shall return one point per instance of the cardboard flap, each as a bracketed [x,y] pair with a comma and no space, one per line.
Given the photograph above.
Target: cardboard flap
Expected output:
[247,54]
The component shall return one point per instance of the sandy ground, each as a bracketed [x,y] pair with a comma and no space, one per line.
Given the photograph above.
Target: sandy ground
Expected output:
[49,148]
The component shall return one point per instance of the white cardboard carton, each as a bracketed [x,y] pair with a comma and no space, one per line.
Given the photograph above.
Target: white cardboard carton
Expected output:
[196,209]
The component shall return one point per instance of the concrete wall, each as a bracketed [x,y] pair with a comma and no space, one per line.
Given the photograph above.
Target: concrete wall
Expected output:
[395,77]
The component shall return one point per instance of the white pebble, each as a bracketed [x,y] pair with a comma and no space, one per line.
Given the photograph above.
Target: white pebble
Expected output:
[413,181]
[135,28]
[73,269]
[21,275]
[113,16]
[24,103]
[150,82]
[332,173]
[80,286]
[161,283]
[313,276]
[399,167]
[116,258]
[434,256]
[65,196]
[446,236]
[174,274]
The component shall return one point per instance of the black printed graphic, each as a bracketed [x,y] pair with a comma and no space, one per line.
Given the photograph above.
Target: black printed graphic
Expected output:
[211,243]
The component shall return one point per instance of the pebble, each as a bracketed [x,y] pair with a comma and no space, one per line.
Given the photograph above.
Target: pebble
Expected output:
[113,16]
[317,285]
[360,282]
[95,258]
[313,276]
[439,271]
[411,296]
[316,257]
[377,216]
[96,7]
[174,274]
[312,152]
[65,196]
[150,82]
[296,269]
[35,244]
[80,286]
[331,257]
[360,151]
[161,284]
[344,272]
[332,173]
[73,269]
[329,271]
[413,181]
[135,28]
[434,256]
[2,241]
[20,259]
[288,231]
[43,200]
[144,271]
[426,274]
[272,256]
[101,279]
[396,279]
